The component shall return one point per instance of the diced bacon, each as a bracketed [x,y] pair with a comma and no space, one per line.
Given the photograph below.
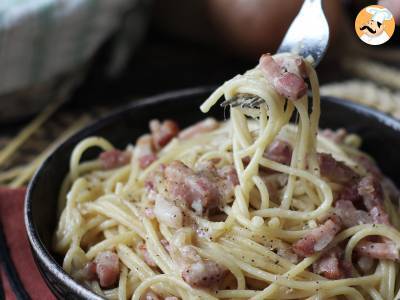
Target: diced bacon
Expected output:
[317,239]
[229,173]
[349,193]
[150,295]
[204,126]
[114,158]
[370,190]
[228,179]
[145,151]
[369,165]
[196,271]
[147,160]
[274,182]
[206,166]
[290,86]
[335,170]
[167,212]
[386,250]
[107,268]
[292,64]
[155,178]
[279,151]
[336,136]
[203,274]
[146,256]
[270,68]
[89,271]
[379,216]
[287,253]
[347,268]
[198,190]
[329,265]
[246,160]
[163,133]
[349,215]
[287,84]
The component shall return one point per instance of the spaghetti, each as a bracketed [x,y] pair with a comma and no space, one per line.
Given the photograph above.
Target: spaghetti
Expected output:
[251,208]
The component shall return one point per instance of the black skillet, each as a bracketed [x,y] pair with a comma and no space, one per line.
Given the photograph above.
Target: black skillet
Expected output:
[380,133]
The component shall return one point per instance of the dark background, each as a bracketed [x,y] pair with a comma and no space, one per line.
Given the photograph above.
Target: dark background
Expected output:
[164,62]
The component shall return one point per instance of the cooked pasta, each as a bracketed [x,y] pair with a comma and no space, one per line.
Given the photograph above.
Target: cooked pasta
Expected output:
[254,207]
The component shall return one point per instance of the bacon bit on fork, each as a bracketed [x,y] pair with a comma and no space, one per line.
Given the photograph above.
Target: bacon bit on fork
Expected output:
[287,84]
[293,64]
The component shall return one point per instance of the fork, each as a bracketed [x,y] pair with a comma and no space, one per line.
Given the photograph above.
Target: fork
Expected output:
[307,36]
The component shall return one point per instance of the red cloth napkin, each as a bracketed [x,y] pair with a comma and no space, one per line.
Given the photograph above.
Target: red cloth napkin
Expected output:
[12,220]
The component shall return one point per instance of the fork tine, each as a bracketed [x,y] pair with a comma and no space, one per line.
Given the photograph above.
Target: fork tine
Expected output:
[245,105]
[235,101]
[243,100]
[309,32]
[257,103]
[253,102]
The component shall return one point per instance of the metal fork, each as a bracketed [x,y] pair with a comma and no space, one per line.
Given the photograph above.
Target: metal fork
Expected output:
[307,36]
